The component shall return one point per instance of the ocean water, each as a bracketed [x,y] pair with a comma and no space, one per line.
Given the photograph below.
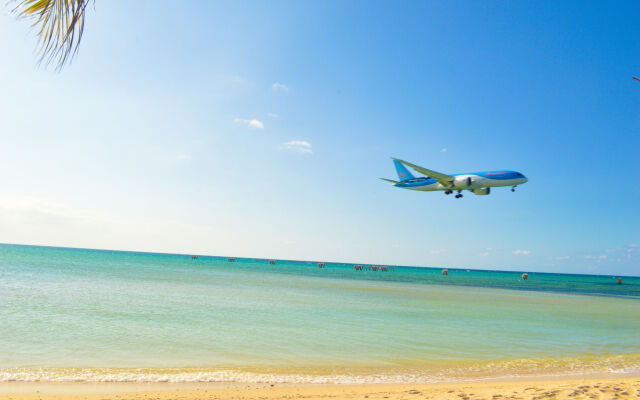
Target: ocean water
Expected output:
[91,315]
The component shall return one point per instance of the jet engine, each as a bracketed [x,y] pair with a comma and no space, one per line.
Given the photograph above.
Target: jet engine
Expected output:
[482,191]
[462,182]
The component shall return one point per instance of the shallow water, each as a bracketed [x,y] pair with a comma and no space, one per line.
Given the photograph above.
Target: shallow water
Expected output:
[71,314]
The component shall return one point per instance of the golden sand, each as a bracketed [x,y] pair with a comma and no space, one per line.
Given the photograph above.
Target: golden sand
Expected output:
[627,388]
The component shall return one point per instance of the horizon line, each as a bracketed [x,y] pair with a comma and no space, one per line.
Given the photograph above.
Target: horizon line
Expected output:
[311,261]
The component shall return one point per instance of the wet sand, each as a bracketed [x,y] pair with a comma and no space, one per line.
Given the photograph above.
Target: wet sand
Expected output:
[624,388]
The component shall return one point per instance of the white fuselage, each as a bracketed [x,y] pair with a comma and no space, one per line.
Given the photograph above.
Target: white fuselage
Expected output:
[476,183]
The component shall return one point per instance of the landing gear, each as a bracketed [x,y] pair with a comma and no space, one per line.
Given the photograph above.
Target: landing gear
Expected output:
[448,192]
[459,195]
[513,189]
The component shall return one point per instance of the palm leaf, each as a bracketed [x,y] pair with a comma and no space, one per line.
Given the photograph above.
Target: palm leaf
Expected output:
[60,24]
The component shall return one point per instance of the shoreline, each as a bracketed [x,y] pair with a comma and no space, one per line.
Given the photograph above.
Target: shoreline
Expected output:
[602,367]
[560,388]
[89,388]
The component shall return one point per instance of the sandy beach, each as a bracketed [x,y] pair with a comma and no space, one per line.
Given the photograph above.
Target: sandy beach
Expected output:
[625,388]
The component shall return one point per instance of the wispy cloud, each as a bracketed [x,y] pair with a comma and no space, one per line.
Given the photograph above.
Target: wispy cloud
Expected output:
[438,251]
[41,220]
[237,79]
[444,150]
[485,254]
[272,115]
[251,123]
[522,252]
[300,146]
[627,251]
[181,156]
[280,87]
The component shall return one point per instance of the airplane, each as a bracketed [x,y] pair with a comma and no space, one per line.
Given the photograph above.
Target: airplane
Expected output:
[479,183]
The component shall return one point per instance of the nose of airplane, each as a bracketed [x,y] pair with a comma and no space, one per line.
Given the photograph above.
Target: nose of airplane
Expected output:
[524,179]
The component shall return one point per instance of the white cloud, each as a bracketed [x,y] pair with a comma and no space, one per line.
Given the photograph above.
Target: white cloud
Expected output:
[438,251]
[181,156]
[523,252]
[626,251]
[485,254]
[444,150]
[280,86]
[237,79]
[301,146]
[272,115]
[40,220]
[251,123]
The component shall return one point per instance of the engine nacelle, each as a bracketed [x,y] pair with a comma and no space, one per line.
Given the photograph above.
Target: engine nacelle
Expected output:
[482,191]
[462,182]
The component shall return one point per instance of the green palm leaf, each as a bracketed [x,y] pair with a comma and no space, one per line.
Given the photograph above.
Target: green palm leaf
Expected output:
[60,24]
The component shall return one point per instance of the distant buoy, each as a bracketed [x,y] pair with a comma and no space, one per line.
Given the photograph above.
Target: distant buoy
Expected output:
[231,259]
[525,276]
[445,272]
[272,262]
[194,257]
[619,281]
[321,265]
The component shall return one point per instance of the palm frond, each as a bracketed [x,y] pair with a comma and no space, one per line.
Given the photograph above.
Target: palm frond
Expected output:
[60,24]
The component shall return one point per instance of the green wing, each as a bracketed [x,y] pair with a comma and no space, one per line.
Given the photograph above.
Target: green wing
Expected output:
[444,179]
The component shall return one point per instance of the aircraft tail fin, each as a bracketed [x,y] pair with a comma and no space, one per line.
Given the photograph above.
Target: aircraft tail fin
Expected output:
[403,173]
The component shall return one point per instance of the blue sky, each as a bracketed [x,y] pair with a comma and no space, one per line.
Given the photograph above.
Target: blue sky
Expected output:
[260,129]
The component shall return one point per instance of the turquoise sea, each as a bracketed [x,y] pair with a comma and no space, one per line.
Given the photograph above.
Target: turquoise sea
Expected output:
[93,315]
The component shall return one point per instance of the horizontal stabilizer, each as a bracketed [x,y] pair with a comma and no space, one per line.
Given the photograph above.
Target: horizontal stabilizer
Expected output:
[390,180]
